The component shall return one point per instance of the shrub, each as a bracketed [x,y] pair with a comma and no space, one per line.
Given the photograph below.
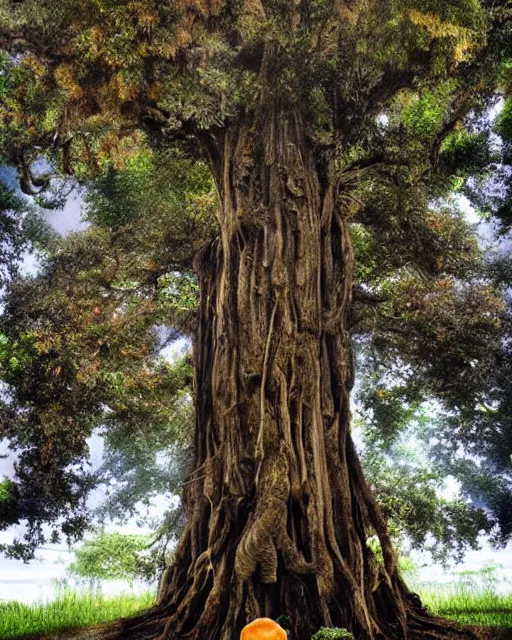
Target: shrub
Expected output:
[332,633]
[284,621]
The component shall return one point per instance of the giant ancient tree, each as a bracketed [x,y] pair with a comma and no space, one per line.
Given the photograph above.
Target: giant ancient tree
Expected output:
[79,351]
[302,110]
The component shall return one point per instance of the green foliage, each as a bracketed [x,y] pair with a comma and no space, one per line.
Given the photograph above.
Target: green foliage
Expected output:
[111,556]
[80,345]
[30,112]
[407,566]
[140,464]
[464,153]
[426,113]
[181,291]
[327,61]
[8,497]
[77,352]
[153,187]
[284,621]
[332,633]
[503,124]
[4,78]
[440,242]
[408,476]
[390,409]
[16,355]
[6,490]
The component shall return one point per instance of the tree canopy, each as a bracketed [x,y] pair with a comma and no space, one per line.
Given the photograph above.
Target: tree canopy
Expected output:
[91,72]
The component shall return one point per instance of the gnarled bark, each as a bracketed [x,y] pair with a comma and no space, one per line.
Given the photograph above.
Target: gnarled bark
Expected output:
[278,511]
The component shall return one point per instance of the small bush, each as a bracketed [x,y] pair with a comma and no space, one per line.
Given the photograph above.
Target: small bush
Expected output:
[332,633]
[284,621]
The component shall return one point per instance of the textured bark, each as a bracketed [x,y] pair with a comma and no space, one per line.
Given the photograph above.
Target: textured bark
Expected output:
[278,511]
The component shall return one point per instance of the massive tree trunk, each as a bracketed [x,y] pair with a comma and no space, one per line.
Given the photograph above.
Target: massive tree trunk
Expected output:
[278,511]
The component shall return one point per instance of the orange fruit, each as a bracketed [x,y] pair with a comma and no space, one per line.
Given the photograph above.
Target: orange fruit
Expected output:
[263,629]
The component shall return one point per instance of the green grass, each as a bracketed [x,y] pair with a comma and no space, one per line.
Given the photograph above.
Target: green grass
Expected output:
[69,610]
[468,603]
[465,601]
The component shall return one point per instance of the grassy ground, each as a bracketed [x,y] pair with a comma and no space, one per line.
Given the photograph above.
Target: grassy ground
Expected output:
[484,608]
[69,610]
[467,602]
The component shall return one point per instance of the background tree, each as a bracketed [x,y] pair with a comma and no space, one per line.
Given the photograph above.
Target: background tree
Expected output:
[283,101]
[80,351]
[411,486]
[114,556]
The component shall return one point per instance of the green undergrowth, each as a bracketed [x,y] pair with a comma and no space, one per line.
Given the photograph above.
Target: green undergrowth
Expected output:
[69,610]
